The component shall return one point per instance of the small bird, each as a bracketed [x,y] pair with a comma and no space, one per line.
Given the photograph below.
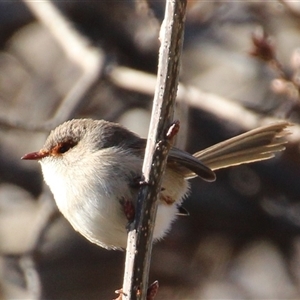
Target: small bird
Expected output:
[93,168]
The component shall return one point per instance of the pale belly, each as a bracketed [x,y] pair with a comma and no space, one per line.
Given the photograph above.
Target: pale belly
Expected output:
[95,211]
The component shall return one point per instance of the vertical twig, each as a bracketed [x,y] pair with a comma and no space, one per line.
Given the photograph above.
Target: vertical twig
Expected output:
[139,244]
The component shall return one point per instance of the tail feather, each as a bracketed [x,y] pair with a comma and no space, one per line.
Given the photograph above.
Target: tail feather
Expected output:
[255,145]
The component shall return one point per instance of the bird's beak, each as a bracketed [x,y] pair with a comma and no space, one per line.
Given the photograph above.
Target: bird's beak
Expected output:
[35,155]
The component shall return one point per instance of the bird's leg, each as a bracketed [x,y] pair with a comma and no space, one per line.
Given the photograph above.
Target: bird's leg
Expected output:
[138,181]
[128,208]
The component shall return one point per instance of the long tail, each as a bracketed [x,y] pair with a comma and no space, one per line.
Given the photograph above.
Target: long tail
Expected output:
[255,145]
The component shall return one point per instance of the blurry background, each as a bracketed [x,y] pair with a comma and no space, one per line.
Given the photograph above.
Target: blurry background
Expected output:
[240,66]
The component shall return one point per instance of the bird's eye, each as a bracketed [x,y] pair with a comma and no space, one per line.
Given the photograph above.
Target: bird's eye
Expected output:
[63,148]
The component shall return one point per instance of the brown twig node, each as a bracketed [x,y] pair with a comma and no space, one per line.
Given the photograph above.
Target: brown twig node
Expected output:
[286,81]
[264,49]
[173,130]
[263,46]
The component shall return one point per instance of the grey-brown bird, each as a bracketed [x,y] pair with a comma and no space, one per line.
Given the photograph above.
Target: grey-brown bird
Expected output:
[91,165]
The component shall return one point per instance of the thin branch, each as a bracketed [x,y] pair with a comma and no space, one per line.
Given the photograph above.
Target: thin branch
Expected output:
[286,81]
[219,106]
[78,49]
[139,245]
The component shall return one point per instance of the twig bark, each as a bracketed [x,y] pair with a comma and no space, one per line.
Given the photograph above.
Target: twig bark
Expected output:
[139,245]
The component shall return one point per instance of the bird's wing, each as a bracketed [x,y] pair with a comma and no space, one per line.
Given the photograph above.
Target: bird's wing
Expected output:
[255,145]
[191,163]
[181,160]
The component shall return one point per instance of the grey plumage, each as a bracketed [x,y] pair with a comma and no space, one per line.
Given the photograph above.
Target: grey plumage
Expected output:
[90,167]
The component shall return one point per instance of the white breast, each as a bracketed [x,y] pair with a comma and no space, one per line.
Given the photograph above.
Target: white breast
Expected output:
[88,195]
